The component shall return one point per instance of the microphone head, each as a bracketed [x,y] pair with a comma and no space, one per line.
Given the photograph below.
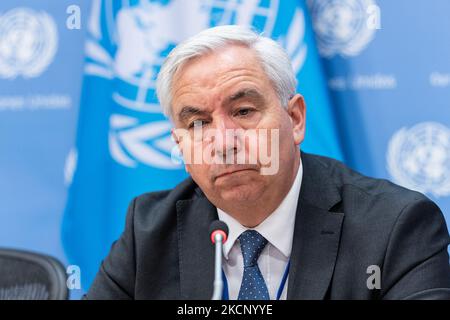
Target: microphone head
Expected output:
[218,226]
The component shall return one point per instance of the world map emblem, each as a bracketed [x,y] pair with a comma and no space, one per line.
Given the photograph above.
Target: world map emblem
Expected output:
[28,43]
[341,26]
[419,158]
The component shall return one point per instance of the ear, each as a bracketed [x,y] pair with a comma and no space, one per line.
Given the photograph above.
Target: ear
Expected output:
[297,112]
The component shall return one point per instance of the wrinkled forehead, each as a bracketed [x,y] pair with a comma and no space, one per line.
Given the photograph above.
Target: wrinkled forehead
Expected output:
[211,64]
[216,75]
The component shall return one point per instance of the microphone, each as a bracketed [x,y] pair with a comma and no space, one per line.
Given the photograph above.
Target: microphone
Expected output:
[219,234]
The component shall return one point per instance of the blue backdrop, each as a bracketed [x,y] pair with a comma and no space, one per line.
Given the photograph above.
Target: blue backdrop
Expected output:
[81,132]
[40,77]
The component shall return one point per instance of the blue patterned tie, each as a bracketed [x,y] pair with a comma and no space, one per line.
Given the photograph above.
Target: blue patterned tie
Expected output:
[253,286]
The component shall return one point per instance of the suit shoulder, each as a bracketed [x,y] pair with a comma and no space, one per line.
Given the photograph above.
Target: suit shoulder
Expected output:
[376,206]
[369,188]
[162,202]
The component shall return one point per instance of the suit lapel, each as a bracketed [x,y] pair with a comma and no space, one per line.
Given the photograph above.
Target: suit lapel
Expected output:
[196,251]
[317,233]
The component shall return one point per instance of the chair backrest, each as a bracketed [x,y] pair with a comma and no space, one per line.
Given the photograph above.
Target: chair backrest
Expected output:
[31,276]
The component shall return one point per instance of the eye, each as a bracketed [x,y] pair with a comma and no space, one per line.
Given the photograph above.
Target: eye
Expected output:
[197,124]
[242,112]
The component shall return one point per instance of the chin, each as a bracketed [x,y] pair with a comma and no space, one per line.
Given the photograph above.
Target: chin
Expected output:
[242,193]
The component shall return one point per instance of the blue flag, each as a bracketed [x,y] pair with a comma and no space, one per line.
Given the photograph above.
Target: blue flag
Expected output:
[123,143]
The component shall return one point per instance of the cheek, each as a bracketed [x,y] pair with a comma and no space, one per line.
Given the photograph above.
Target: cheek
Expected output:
[276,118]
[200,174]
[287,139]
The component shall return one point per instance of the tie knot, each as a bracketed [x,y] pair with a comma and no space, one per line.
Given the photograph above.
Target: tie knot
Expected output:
[252,244]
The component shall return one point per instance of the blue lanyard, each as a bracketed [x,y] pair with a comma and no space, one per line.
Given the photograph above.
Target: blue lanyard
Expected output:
[225,294]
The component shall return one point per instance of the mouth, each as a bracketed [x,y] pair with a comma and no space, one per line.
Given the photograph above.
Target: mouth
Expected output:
[231,172]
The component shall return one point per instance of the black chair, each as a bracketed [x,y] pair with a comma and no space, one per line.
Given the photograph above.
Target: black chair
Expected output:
[31,276]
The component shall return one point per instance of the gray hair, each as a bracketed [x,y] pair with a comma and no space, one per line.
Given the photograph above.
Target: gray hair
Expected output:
[274,60]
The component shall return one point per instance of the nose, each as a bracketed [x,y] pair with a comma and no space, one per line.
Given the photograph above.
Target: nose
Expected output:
[226,138]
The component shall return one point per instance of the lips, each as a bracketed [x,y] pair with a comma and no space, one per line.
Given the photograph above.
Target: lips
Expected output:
[229,172]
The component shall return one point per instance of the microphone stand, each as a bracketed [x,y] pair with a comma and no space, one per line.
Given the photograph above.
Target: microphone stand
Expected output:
[218,281]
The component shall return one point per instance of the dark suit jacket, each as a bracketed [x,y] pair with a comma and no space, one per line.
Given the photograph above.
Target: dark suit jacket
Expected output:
[345,223]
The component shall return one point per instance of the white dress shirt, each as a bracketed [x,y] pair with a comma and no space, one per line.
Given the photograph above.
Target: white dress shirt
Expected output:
[278,229]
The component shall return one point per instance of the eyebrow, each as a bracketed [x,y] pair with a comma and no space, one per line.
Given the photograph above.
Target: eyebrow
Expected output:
[251,94]
[189,111]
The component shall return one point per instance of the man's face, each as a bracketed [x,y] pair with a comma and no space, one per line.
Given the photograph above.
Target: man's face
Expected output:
[228,90]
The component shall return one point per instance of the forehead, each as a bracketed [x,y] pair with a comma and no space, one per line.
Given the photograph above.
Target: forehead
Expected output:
[218,70]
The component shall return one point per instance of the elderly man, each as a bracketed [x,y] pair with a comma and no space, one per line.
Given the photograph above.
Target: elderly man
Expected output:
[300,226]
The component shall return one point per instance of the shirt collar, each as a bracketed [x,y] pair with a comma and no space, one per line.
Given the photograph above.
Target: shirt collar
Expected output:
[277,228]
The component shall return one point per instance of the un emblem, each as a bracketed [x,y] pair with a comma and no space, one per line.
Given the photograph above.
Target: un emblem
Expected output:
[143,34]
[28,43]
[419,158]
[342,26]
